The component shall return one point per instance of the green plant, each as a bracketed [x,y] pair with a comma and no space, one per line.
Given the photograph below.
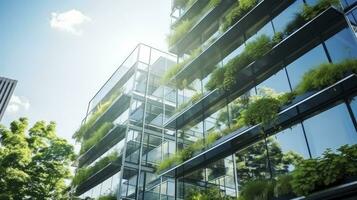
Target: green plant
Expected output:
[264,110]
[96,136]
[84,173]
[324,75]
[212,193]
[318,173]
[257,190]
[283,185]
[83,132]
[172,71]
[237,12]
[108,197]
[194,99]
[185,25]
[310,12]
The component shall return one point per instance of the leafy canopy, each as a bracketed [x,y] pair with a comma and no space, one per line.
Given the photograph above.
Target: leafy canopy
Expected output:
[34,163]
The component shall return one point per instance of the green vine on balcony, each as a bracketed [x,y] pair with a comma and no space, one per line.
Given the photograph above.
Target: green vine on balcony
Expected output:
[96,136]
[183,3]
[108,197]
[173,70]
[185,25]
[84,173]
[240,8]
[83,132]
[264,107]
[309,176]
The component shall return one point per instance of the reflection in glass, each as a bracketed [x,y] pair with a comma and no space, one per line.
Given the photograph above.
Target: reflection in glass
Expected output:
[342,46]
[330,129]
[306,62]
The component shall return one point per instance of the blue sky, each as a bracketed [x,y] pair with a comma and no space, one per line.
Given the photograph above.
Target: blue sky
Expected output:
[61,52]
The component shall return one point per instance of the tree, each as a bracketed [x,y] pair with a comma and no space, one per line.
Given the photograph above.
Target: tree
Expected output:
[34,163]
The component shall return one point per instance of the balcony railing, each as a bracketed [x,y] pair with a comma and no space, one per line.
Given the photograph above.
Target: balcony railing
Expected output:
[300,108]
[189,40]
[230,40]
[321,27]
[108,141]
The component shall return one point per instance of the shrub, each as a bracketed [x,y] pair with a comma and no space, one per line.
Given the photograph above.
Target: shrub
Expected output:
[84,173]
[216,79]
[257,190]
[283,185]
[96,136]
[212,193]
[264,110]
[253,50]
[83,131]
[172,71]
[325,75]
[179,31]
[108,197]
[315,174]
[241,8]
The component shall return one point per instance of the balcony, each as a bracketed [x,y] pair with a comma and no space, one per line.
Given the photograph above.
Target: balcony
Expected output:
[207,22]
[191,11]
[323,26]
[112,168]
[231,39]
[299,109]
[108,141]
[118,107]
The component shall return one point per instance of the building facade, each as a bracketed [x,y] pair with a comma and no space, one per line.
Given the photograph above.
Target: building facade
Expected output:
[256,89]
[7,87]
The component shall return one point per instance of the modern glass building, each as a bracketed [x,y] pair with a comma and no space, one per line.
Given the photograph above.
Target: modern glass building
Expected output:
[7,87]
[256,89]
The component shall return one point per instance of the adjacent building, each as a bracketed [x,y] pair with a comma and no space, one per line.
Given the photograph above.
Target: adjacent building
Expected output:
[255,87]
[7,87]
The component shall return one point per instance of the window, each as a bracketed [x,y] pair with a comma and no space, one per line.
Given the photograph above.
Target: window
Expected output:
[283,19]
[278,82]
[342,46]
[306,62]
[330,129]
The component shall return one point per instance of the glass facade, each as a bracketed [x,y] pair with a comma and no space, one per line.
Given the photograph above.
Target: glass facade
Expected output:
[169,130]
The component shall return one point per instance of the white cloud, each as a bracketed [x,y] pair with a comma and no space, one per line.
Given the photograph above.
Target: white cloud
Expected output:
[17,104]
[69,21]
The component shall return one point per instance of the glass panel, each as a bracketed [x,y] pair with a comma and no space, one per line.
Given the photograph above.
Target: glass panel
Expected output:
[330,129]
[354,106]
[278,82]
[252,164]
[284,18]
[306,62]
[342,46]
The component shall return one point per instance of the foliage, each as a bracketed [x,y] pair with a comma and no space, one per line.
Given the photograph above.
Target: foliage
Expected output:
[194,99]
[34,163]
[283,185]
[83,131]
[318,173]
[84,173]
[108,197]
[257,190]
[237,12]
[182,3]
[172,71]
[96,136]
[185,25]
[309,12]
[216,78]
[264,110]
[212,193]
[179,31]
[324,75]
[253,50]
